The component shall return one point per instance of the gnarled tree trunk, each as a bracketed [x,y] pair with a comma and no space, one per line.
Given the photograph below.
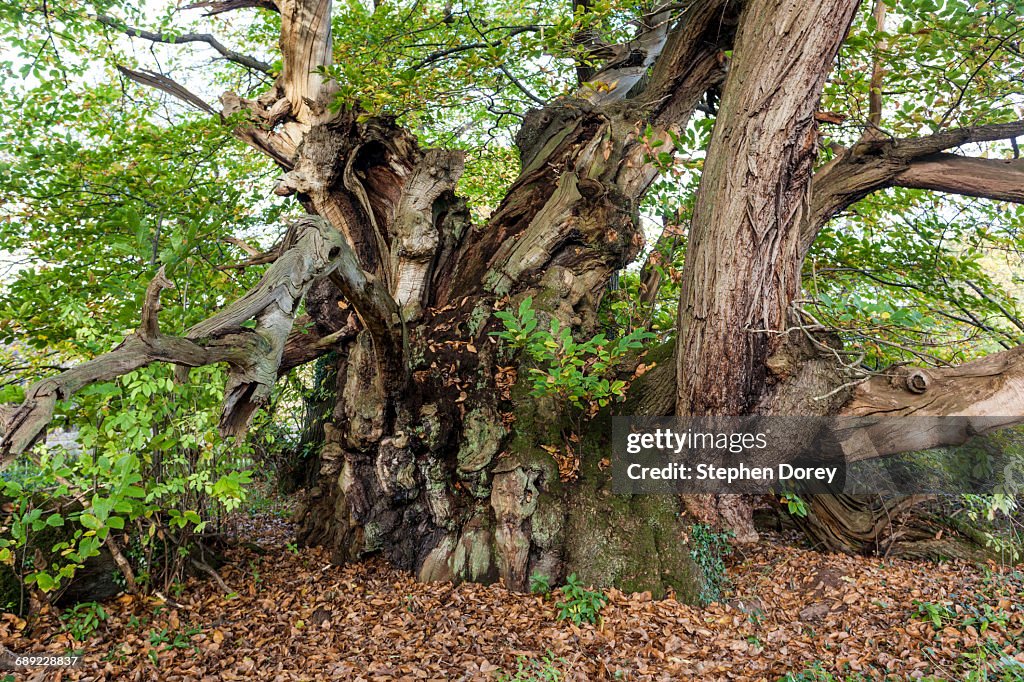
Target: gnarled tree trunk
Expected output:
[443,469]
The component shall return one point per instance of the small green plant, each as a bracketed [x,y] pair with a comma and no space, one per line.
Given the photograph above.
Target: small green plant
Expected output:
[794,504]
[166,640]
[256,577]
[982,616]
[708,550]
[988,663]
[994,519]
[540,584]
[134,622]
[579,604]
[534,670]
[83,620]
[292,547]
[936,614]
[118,654]
[158,637]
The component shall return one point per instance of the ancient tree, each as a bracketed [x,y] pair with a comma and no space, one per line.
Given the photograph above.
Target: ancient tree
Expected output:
[434,453]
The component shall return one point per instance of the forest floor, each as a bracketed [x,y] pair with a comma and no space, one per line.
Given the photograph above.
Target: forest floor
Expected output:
[789,613]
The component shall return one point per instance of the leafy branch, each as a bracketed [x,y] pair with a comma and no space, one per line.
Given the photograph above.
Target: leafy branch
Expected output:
[579,372]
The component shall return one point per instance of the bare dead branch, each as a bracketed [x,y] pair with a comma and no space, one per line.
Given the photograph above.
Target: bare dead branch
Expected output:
[261,118]
[631,60]
[988,393]
[220,6]
[253,354]
[244,246]
[275,123]
[259,259]
[305,49]
[228,54]
[161,82]
[692,60]
[150,327]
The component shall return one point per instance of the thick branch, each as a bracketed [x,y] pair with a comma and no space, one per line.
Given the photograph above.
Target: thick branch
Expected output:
[692,60]
[603,167]
[415,233]
[379,313]
[876,164]
[305,344]
[305,49]
[262,118]
[254,354]
[230,55]
[990,386]
[998,179]
[947,139]
[631,61]
[24,424]
[987,393]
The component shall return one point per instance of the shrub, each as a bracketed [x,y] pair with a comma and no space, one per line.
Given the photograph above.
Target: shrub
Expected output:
[579,604]
[155,470]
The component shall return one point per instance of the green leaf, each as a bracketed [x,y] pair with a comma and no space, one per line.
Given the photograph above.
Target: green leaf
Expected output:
[90,521]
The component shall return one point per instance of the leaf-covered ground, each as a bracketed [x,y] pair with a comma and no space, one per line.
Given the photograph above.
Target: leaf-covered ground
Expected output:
[293,616]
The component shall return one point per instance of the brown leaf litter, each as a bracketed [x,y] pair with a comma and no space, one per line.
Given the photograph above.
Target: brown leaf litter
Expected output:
[295,616]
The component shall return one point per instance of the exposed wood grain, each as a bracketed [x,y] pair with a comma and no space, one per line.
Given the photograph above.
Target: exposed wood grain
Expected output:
[305,49]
